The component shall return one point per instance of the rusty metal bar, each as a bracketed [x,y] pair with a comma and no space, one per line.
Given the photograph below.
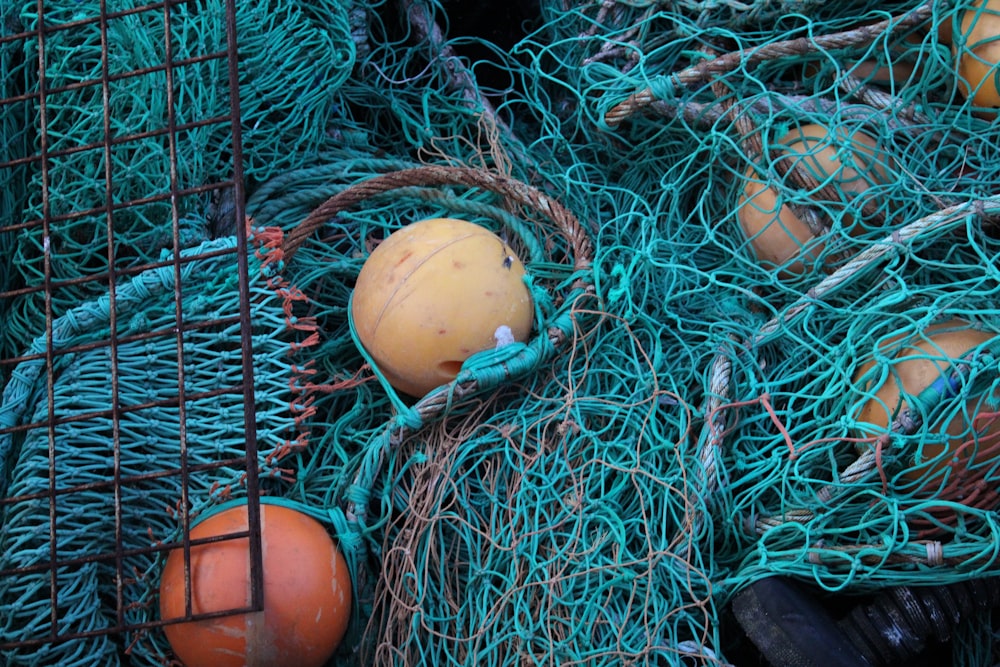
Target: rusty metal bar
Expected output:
[171,472]
[246,342]
[112,320]
[121,477]
[124,272]
[185,504]
[49,355]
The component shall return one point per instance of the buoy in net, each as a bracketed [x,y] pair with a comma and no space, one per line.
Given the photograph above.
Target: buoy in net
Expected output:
[434,293]
[307,593]
[915,361]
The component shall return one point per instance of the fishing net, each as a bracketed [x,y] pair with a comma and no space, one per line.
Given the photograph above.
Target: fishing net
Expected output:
[796,482]
[163,99]
[784,407]
[689,414]
[179,445]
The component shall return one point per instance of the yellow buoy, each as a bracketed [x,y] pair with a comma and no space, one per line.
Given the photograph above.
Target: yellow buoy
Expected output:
[851,161]
[921,360]
[434,293]
[978,53]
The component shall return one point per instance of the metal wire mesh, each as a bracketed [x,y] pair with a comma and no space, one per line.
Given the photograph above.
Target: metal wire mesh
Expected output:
[69,215]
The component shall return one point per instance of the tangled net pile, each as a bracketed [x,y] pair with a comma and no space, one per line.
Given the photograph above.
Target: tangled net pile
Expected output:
[686,418]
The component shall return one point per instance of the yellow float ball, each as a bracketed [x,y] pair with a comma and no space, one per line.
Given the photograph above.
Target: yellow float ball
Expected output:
[978,53]
[434,293]
[915,362]
[850,160]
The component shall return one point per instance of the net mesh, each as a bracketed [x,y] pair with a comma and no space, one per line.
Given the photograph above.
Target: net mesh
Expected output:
[697,423]
[155,417]
[164,99]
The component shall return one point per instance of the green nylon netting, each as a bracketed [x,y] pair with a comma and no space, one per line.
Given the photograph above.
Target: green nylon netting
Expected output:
[290,49]
[697,428]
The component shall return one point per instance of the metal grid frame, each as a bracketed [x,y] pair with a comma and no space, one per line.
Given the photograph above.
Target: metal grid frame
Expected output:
[41,159]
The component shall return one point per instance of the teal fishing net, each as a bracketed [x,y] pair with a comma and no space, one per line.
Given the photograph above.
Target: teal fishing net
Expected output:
[690,413]
[120,477]
[785,401]
[163,100]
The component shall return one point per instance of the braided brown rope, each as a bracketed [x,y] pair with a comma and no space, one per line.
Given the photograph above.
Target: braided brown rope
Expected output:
[437,175]
[709,69]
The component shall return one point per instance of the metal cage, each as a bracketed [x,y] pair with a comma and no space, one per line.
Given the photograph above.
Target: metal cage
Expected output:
[39,219]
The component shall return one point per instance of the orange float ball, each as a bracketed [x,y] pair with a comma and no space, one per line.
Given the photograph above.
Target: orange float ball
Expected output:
[896,70]
[978,53]
[307,593]
[852,161]
[434,293]
[917,362]
[944,25]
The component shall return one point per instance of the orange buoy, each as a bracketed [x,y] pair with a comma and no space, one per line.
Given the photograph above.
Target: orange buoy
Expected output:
[307,593]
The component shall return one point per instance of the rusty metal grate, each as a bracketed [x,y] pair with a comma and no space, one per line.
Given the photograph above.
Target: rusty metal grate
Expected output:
[109,225]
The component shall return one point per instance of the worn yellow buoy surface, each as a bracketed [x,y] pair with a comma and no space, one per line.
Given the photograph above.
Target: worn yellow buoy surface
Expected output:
[434,293]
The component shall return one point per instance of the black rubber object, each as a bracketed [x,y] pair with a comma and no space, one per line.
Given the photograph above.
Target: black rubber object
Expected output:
[899,622]
[791,629]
